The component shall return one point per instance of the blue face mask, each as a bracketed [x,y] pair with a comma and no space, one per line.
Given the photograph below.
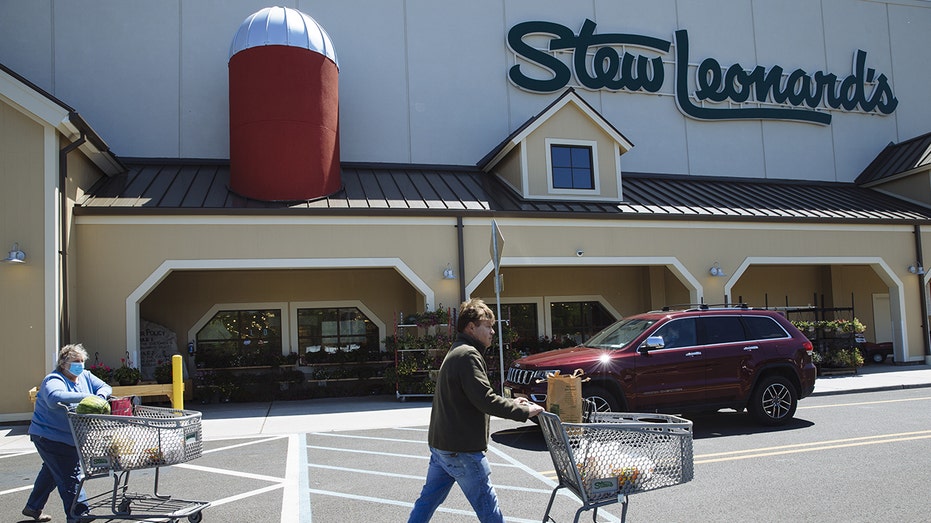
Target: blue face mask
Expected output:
[76,368]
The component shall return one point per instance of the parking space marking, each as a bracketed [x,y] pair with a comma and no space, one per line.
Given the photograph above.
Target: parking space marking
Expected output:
[407,504]
[245,495]
[238,445]
[354,451]
[364,471]
[811,446]
[295,505]
[372,438]
[228,472]
[859,403]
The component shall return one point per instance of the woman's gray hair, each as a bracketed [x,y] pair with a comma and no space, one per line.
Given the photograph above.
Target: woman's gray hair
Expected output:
[70,353]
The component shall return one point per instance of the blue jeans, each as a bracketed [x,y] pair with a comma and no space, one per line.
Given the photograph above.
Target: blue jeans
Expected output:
[471,471]
[61,468]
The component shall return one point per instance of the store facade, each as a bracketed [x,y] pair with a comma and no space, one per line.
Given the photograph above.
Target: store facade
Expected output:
[691,160]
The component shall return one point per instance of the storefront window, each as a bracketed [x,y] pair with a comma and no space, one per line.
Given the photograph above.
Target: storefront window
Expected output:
[522,319]
[578,321]
[241,338]
[572,167]
[332,329]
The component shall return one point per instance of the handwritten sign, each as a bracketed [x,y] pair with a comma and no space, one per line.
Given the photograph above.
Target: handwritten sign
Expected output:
[157,344]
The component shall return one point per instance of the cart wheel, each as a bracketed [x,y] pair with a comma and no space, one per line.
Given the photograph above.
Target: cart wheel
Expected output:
[196,518]
[124,507]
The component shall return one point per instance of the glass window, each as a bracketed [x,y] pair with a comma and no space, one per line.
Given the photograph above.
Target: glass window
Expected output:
[522,319]
[332,329]
[619,334]
[678,333]
[578,321]
[722,329]
[763,328]
[572,167]
[241,338]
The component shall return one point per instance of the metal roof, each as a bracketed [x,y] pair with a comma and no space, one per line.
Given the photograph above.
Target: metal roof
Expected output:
[898,158]
[202,187]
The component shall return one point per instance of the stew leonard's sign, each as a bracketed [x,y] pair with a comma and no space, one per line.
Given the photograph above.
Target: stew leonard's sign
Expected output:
[719,93]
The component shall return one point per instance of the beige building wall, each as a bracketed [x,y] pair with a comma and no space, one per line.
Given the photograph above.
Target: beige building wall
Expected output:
[571,124]
[632,266]
[916,188]
[22,286]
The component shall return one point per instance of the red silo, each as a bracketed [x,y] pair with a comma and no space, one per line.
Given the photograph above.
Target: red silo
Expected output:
[284,108]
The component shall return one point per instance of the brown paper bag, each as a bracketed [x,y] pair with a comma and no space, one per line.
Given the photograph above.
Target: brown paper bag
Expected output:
[564,395]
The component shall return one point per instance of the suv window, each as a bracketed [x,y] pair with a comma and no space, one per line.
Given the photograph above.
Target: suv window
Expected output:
[722,329]
[678,333]
[764,328]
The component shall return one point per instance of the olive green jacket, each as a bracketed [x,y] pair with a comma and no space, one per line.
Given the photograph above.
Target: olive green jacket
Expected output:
[464,400]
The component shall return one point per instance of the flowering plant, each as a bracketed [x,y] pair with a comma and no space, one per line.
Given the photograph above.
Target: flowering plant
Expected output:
[102,371]
[127,375]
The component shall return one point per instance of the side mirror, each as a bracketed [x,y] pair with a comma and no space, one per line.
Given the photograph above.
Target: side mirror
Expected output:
[653,342]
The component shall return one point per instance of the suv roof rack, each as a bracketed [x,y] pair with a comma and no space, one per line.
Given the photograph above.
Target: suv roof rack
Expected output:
[703,306]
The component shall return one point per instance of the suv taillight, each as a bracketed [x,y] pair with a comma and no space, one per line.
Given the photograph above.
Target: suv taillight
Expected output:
[809,348]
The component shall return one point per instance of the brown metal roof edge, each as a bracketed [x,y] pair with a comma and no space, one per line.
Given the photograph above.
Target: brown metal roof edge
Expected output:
[433,213]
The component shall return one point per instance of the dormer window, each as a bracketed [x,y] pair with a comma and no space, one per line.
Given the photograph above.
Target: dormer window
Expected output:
[572,166]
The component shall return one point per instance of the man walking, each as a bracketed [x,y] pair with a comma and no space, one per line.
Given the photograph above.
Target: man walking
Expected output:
[462,405]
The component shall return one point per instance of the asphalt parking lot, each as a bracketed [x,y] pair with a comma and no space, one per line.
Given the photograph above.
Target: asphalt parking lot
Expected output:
[366,475]
[364,459]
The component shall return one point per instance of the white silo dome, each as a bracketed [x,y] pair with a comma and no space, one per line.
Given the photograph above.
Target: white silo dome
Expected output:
[283,26]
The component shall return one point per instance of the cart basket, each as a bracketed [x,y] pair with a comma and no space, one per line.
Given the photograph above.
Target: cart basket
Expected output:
[618,454]
[151,437]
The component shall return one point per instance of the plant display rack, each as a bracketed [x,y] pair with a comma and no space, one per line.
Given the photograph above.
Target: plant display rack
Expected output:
[420,344]
[822,327]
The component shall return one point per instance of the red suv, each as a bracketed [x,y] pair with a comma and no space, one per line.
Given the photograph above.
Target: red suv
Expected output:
[682,361]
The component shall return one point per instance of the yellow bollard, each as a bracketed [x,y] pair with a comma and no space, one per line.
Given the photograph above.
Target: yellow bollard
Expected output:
[177,382]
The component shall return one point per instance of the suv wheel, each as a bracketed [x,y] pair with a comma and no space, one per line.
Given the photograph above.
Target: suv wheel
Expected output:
[773,401]
[600,399]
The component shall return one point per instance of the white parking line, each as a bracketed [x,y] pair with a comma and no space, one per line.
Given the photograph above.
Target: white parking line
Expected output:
[353,436]
[295,503]
[407,504]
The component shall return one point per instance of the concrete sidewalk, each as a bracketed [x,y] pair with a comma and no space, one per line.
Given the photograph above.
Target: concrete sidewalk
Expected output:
[231,420]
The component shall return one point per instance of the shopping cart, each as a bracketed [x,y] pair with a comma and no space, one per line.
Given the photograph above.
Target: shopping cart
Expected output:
[617,454]
[152,437]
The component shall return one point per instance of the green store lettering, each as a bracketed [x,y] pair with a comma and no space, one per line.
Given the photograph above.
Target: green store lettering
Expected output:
[613,67]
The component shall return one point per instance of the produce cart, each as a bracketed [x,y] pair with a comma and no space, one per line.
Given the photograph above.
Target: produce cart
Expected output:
[617,454]
[152,437]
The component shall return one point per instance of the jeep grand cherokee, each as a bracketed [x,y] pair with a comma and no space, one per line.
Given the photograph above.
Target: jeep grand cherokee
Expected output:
[682,361]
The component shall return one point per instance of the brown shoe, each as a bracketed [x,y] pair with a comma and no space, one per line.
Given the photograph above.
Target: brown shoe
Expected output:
[36,515]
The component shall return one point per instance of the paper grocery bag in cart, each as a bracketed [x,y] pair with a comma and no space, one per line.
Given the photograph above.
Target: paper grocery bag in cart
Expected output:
[564,395]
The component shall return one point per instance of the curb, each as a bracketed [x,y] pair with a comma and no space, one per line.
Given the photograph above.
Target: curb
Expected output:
[871,389]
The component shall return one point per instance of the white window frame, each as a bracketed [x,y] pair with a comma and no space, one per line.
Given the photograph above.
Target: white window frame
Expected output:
[282,306]
[596,181]
[549,300]
[342,304]
[537,300]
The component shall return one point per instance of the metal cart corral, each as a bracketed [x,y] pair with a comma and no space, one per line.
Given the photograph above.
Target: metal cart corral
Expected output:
[617,454]
[152,437]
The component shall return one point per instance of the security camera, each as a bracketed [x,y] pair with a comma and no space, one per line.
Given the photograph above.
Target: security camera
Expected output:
[579,252]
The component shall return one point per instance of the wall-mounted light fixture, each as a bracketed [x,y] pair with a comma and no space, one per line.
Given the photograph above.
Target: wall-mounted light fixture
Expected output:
[916,269]
[15,256]
[448,273]
[716,270]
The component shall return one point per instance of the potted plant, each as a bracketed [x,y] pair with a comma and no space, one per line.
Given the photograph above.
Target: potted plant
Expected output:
[102,371]
[126,375]
[163,372]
